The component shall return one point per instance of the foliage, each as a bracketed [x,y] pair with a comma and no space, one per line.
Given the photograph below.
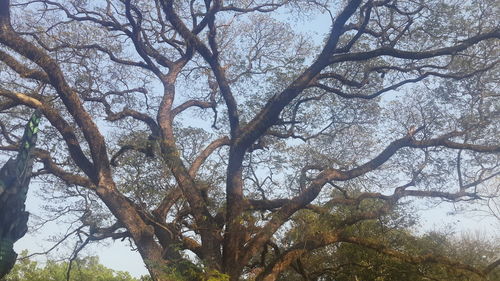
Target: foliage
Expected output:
[85,269]
[346,261]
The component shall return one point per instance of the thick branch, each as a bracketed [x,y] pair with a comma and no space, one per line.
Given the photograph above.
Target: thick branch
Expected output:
[389,51]
[192,103]
[289,207]
[71,100]
[22,70]
[211,59]
[66,131]
[206,153]
[269,114]
[153,126]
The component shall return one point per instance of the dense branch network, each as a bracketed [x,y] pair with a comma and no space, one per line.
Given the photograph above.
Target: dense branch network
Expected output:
[120,83]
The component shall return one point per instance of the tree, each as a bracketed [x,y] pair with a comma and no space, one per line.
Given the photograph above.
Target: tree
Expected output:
[345,261]
[86,269]
[201,129]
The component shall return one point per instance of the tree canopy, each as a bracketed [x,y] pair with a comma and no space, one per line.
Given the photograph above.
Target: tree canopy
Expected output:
[86,269]
[227,141]
[352,261]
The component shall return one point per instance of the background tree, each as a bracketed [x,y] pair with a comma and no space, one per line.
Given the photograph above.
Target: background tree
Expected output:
[86,269]
[346,261]
[201,129]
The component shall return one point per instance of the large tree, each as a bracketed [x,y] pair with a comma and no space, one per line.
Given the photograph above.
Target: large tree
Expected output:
[205,128]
